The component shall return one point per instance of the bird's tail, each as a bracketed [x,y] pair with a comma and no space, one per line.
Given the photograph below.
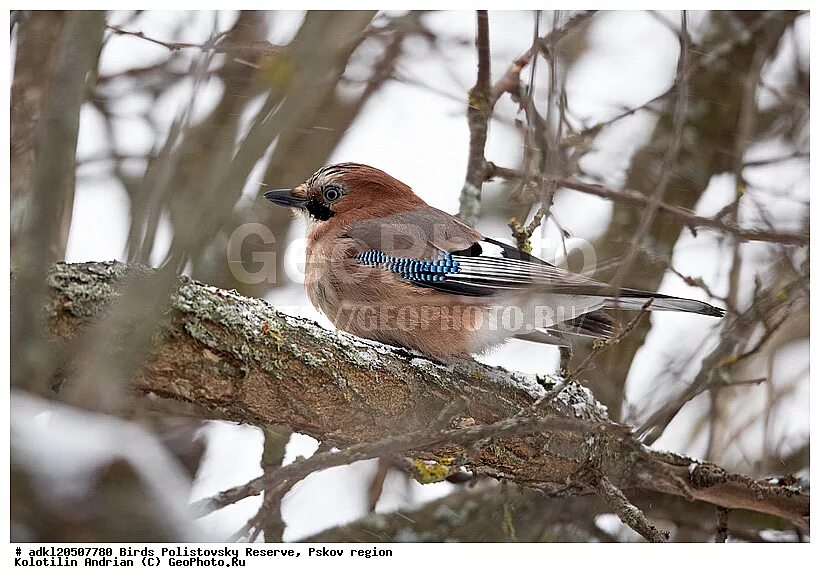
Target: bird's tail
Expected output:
[630,299]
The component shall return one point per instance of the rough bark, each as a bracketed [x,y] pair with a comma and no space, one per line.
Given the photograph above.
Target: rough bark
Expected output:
[217,354]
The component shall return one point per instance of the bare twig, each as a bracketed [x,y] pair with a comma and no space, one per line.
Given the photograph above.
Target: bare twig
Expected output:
[639,200]
[511,80]
[629,514]
[603,345]
[696,282]
[776,159]
[171,46]
[391,446]
[213,44]
[598,348]
[688,217]
[704,62]
[733,336]
[482,100]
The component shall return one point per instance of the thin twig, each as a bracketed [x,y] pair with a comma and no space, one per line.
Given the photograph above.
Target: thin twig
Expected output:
[511,79]
[598,348]
[603,345]
[696,282]
[482,100]
[688,217]
[704,62]
[209,45]
[630,515]
[521,425]
[733,336]
[638,200]
[776,159]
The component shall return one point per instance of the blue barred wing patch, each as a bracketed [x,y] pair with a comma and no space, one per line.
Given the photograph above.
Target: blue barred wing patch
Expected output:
[415,270]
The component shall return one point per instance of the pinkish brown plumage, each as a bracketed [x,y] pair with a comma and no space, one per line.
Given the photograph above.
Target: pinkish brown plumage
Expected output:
[384,265]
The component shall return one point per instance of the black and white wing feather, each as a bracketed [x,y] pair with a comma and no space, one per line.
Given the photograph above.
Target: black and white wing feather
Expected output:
[433,249]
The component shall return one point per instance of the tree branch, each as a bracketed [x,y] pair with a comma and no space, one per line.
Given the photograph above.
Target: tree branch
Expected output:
[639,200]
[484,512]
[220,355]
[44,232]
[629,514]
[483,97]
[686,216]
[770,303]
[479,110]
[510,81]
[426,438]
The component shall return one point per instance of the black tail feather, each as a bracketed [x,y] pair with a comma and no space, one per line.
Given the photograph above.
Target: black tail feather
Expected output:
[630,299]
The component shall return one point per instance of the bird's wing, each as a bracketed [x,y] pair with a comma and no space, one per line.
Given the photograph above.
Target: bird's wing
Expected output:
[431,248]
[410,243]
[417,234]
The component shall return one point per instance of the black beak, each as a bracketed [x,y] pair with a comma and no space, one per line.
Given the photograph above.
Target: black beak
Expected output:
[286,197]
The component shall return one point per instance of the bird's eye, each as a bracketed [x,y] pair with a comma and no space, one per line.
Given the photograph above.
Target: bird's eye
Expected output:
[332,192]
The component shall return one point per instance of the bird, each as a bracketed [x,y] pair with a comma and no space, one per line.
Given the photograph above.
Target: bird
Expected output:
[384,265]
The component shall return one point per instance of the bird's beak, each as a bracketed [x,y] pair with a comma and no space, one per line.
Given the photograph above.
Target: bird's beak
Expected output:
[287,197]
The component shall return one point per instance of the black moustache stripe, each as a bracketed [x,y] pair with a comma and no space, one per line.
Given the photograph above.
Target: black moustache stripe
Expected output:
[318,211]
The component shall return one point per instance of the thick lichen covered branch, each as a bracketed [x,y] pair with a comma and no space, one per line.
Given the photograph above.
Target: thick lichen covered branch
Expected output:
[217,354]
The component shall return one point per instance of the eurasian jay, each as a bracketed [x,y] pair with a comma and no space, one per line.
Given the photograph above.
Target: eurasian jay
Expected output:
[384,265]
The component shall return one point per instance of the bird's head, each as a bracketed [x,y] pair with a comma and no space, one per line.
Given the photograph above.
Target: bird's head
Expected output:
[347,189]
